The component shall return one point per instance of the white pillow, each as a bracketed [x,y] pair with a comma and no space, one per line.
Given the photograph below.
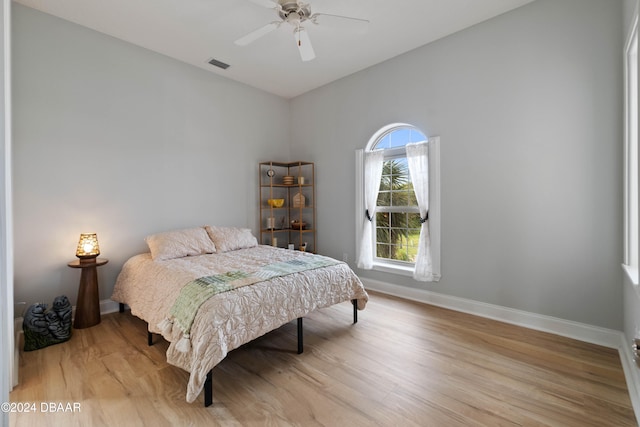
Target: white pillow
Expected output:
[231,238]
[180,243]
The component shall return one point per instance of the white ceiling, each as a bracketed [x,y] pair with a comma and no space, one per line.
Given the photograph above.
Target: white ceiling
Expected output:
[194,31]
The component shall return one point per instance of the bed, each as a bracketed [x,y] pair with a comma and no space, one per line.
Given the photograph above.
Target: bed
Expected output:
[258,289]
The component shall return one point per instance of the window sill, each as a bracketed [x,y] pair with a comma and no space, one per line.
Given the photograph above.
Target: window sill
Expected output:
[632,273]
[393,268]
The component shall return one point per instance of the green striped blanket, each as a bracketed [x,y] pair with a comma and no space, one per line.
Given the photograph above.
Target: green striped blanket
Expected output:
[196,292]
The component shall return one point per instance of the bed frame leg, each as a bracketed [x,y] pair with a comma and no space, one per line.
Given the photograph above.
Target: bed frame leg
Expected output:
[300,336]
[355,310]
[121,307]
[149,337]
[208,389]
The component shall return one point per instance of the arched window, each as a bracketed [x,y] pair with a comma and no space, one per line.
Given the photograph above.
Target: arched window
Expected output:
[399,172]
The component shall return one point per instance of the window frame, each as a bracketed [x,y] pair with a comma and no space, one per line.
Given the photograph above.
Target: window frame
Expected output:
[393,266]
[631,156]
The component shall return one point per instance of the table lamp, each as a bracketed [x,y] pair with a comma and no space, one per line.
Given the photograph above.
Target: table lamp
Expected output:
[88,249]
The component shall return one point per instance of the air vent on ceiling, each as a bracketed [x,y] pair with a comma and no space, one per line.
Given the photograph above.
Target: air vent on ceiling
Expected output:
[219,64]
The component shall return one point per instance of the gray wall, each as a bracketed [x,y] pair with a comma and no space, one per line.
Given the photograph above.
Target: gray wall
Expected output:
[529,110]
[112,138]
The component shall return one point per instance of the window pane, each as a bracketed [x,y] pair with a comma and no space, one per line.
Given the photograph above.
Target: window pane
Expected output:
[383,143]
[384,198]
[413,221]
[416,136]
[385,182]
[398,219]
[402,197]
[395,177]
[382,219]
[399,137]
[382,251]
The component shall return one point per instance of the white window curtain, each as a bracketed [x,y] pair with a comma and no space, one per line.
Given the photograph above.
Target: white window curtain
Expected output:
[373,161]
[418,160]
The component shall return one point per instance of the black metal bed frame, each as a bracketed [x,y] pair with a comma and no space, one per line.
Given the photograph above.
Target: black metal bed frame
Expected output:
[208,384]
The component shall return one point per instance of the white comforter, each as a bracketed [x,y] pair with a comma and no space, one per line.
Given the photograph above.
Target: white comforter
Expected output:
[228,320]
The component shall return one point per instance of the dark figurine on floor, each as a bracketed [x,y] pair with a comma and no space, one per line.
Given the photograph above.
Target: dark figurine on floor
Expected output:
[44,327]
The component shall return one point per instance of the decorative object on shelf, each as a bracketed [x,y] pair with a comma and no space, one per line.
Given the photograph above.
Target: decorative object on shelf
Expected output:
[275,203]
[299,200]
[274,241]
[271,173]
[298,225]
[271,223]
[43,327]
[301,180]
[88,248]
[303,247]
[287,180]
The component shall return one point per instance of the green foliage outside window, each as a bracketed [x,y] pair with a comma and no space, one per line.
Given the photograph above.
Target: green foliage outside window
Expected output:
[397,232]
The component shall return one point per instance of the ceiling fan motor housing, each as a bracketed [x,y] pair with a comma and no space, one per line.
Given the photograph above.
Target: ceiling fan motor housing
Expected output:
[294,12]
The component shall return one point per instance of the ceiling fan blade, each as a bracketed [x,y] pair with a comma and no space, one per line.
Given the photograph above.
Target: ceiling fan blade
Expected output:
[339,21]
[304,44]
[265,3]
[256,34]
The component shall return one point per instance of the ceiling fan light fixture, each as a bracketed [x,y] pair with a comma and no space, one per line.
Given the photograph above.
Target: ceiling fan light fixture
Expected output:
[294,19]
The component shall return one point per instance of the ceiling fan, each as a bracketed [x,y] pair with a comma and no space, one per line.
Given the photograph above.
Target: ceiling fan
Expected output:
[295,13]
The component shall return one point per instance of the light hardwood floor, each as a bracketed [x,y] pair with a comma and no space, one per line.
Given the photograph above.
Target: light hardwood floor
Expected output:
[403,363]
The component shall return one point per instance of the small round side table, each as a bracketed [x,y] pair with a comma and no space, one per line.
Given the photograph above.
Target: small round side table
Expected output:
[88,304]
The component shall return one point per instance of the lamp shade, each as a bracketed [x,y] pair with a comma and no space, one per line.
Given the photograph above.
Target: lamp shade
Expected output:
[88,246]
